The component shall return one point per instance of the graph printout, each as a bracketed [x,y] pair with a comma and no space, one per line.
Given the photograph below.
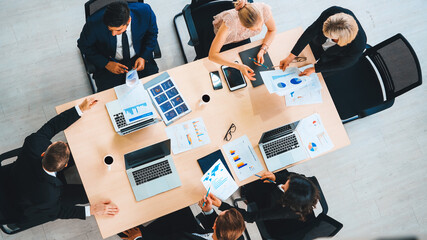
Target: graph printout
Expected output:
[219,180]
[242,157]
[135,102]
[188,135]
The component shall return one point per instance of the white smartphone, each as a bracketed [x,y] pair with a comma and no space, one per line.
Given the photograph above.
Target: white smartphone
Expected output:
[233,77]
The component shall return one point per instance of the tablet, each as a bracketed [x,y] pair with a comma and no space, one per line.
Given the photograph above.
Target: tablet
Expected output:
[233,77]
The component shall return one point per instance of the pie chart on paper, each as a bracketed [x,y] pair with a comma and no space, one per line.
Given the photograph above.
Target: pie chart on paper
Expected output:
[281,85]
[312,146]
[296,81]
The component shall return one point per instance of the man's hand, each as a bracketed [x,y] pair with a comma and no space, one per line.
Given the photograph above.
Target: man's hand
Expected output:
[87,104]
[285,62]
[268,175]
[139,64]
[215,201]
[116,68]
[247,72]
[208,204]
[132,233]
[307,72]
[104,208]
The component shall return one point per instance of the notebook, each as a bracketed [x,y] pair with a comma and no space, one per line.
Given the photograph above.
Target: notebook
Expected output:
[252,53]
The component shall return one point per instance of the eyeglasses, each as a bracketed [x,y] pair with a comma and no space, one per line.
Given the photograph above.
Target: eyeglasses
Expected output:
[230,130]
[299,59]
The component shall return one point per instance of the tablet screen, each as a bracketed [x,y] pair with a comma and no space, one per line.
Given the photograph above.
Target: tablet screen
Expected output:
[233,76]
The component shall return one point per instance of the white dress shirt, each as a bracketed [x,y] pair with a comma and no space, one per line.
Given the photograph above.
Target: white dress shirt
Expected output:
[328,43]
[119,48]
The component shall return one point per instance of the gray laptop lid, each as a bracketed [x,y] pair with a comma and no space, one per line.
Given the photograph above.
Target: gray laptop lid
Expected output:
[147,154]
[278,132]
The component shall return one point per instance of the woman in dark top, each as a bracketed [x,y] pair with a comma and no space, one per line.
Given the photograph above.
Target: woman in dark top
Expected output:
[336,38]
[291,201]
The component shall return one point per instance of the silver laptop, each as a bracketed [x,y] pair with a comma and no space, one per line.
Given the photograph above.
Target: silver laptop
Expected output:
[119,123]
[282,146]
[151,170]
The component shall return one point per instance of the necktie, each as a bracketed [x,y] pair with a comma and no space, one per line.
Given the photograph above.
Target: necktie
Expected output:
[125,47]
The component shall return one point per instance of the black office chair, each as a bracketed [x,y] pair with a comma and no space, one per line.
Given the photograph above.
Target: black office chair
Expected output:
[91,7]
[320,226]
[7,210]
[359,91]
[198,16]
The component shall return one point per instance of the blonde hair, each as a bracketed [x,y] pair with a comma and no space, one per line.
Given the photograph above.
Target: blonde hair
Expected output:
[341,26]
[248,15]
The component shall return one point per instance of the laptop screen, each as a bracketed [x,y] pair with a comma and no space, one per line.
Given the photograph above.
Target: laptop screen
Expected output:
[147,154]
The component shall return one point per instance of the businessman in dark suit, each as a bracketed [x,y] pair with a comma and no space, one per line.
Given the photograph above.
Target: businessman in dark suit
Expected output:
[41,192]
[117,39]
[336,38]
[181,225]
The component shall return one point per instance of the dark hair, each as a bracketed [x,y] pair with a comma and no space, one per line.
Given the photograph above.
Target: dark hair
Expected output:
[116,14]
[229,225]
[301,196]
[56,157]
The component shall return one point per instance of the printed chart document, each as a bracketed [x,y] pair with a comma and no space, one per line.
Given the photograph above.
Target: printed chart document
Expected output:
[242,157]
[310,94]
[219,180]
[134,101]
[314,136]
[188,135]
[283,82]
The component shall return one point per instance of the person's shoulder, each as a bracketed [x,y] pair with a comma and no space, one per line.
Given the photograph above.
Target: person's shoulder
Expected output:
[337,9]
[138,6]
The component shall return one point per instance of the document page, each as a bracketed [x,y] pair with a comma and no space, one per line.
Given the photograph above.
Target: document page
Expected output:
[134,101]
[314,136]
[242,157]
[219,180]
[188,135]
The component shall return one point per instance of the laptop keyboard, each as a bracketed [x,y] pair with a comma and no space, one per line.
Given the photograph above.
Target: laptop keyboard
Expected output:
[120,120]
[280,145]
[152,172]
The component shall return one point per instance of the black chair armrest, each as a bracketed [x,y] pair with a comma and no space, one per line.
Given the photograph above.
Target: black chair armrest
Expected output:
[194,38]
[90,67]
[157,53]
[322,200]
[10,154]
[378,108]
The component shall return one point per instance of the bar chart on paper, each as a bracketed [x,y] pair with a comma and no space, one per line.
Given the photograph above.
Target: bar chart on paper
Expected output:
[242,157]
[137,112]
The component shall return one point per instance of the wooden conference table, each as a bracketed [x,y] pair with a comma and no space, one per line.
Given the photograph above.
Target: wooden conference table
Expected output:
[252,110]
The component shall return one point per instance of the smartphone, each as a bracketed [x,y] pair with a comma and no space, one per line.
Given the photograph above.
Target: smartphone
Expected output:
[216,80]
[234,78]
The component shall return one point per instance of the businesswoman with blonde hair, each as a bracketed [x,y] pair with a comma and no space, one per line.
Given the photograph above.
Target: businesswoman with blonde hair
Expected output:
[336,38]
[238,24]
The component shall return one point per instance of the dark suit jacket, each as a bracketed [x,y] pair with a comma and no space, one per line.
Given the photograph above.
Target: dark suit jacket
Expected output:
[207,221]
[38,193]
[336,57]
[99,46]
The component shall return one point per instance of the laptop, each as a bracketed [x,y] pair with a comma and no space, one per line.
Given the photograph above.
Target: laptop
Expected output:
[282,146]
[151,170]
[119,123]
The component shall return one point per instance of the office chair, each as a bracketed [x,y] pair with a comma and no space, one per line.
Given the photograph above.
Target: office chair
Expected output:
[320,226]
[91,7]
[384,72]
[198,16]
[7,209]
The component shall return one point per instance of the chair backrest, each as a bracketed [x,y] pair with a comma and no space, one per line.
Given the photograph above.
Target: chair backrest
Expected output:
[7,211]
[397,64]
[93,6]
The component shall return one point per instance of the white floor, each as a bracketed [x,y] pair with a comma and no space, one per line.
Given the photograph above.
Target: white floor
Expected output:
[375,187]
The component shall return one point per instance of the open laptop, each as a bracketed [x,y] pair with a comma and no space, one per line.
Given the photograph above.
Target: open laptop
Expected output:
[119,123]
[151,170]
[282,146]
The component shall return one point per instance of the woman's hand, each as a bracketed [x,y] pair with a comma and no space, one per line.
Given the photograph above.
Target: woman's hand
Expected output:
[260,56]
[307,72]
[247,72]
[215,201]
[285,62]
[240,4]
[268,175]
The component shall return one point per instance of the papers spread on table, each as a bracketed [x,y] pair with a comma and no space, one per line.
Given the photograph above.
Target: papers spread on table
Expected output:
[219,180]
[297,90]
[167,98]
[134,102]
[188,135]
[314,136]
[242,157]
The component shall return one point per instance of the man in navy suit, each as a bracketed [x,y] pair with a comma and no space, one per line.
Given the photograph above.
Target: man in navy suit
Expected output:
[117,39]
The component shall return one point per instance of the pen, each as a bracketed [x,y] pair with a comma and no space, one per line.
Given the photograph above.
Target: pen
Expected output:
[266,179]
[258,62]
[206,196]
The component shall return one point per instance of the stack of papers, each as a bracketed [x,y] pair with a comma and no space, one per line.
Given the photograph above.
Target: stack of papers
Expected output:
[314,136]
[242,158]
[188,135]
[297,90]
[219,181]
